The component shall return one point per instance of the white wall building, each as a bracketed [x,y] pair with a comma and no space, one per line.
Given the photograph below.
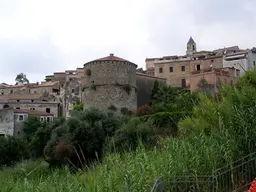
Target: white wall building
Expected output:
[244,60]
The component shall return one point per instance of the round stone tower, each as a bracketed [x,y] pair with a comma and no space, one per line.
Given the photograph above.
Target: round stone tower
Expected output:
[110,84]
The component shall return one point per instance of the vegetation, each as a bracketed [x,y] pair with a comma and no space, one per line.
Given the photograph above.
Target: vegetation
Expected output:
[178,134]
[88,72]
[12,150]
[78,107]
[21,78]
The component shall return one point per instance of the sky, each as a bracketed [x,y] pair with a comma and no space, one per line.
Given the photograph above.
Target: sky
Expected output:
[39,37]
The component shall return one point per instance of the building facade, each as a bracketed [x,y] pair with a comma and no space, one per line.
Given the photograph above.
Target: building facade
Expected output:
[110,84]
[210,79]
[179,70]
[244,60]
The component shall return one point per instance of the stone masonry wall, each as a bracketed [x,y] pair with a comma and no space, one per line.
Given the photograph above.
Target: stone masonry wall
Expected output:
[106,82]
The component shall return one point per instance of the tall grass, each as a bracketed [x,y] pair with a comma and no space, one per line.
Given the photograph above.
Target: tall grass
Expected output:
[128,172]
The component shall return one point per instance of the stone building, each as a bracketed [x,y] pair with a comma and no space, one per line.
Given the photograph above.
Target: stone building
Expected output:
[210,79]
[31,102]
[20,115]
[178,70]
[110,84]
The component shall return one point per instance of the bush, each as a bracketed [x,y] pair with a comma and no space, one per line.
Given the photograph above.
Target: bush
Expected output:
[12,150]
[42,136]
[80,140]
[231,116]
[144,110]
[166,123]
[127,138]
[31,125]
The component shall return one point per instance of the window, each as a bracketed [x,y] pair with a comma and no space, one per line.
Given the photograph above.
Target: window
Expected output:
[11,91]
[198,67]
[34,92]
[170,69]
[237,73]
[41,118]
[183,83]
[212,61]
[2,92]
[160,70]
[18,100]
[48,110]
[32,100]
[73,90]
[21,117]
[254,63]
[48,119]
[32,108]
[17,107]
[18,132]
[183,68]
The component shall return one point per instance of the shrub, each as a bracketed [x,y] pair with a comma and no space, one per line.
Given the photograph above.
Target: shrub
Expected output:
[12,150]
[144,110]
[88,72]
[128,136]
[124,110]
[80,140]
[31,125]
[166,123]
[42,136]
[78,107]
[231,116]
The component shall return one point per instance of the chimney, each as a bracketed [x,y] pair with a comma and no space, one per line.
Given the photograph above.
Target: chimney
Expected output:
[111,54]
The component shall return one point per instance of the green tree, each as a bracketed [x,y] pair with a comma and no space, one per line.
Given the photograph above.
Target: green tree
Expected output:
[12,150]
[21,78]
[154,91]
[31,125]
[81,138]
[42,135]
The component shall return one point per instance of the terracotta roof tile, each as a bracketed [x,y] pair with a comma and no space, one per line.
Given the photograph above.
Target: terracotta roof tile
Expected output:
[111,57]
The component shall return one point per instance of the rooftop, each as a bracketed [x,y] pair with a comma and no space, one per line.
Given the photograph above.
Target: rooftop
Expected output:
[32,112]
[191,41]
[111,57]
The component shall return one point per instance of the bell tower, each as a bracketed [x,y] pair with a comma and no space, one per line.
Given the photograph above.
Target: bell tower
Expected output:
[191,46]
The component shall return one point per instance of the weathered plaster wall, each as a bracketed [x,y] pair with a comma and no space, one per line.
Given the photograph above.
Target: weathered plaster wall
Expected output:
[54,109]
[145,86]
[6,121]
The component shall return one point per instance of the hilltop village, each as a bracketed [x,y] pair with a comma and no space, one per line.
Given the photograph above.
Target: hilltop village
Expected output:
[114,83]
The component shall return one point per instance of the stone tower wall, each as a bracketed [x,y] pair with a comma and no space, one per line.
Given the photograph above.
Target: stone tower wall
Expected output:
[110,83]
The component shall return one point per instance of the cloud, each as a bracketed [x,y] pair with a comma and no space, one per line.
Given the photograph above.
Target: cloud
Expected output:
[39,37]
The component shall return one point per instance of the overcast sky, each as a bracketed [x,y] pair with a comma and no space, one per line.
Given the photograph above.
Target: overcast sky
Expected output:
[39,37]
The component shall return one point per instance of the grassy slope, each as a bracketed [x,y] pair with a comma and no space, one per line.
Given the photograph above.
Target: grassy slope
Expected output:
[136,171]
